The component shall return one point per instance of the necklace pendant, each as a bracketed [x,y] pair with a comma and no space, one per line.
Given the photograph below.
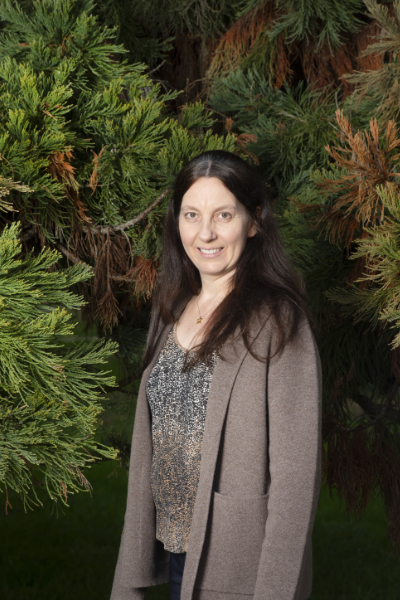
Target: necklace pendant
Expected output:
[199,320]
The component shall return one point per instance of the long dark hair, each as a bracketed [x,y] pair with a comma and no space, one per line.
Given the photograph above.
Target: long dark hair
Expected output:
[263,275]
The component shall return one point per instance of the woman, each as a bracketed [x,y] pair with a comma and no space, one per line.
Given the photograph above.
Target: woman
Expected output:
[225,465]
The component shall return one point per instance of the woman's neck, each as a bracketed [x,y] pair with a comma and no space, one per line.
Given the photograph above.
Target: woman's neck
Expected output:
[212,287]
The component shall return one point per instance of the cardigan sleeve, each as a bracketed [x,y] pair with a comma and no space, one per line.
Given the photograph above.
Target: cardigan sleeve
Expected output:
[120,592]
[294,406]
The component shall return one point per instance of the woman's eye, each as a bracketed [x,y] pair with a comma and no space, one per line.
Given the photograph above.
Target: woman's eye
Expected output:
[191,215]
[225,216]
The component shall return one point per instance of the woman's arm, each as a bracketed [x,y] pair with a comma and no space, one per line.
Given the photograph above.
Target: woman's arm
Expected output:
[294,407]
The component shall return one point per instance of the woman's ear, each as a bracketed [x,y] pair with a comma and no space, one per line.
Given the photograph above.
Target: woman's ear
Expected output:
[252,231]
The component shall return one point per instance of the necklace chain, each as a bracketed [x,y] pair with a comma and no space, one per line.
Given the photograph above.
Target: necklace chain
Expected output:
[200,319]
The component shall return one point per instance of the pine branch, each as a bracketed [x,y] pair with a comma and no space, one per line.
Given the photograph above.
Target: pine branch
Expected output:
[131,222]
[72,257]
[325,20]
[48,394]
[76,260]
[381,86]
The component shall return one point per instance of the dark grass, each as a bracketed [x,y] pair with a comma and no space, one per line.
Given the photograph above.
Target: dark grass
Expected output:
[72,556]
[353,559]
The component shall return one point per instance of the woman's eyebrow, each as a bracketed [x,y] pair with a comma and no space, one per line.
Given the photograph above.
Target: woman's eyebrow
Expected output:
[219,208]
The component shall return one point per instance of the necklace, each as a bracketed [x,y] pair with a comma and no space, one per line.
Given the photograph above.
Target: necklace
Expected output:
[200,319]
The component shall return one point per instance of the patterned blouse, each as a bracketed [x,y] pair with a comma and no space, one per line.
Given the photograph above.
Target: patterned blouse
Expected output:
[178,404]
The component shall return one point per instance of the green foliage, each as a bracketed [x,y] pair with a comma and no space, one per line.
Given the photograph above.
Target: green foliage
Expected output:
[262,57]
[273,34]
[86,132]
[380,302]
[97,147]
[6,185]
[61,35]
[326,267]
[56,74]
[141,42]
[208,17]
[292,125]
[91,137]
[381,86]
[49,397]
[322,20]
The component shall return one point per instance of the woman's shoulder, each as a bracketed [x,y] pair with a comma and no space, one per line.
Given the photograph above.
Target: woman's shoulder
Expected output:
[287,321]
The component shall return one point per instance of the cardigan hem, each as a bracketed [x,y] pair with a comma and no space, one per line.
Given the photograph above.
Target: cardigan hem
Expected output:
[202,594]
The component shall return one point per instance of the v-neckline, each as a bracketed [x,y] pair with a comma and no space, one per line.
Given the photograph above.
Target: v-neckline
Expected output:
[176,337]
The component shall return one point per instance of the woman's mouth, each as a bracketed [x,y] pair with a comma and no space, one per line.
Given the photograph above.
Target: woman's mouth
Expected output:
[210,252]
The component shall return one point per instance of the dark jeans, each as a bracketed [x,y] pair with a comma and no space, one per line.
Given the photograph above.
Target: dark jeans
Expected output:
[176,566]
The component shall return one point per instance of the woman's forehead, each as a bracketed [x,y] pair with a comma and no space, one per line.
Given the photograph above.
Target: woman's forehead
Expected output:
[209,192]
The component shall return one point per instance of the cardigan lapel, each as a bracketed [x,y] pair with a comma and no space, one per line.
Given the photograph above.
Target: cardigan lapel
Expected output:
[218,400]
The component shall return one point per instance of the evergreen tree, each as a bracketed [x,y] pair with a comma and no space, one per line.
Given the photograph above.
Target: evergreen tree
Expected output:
[335,181]
[348,213]
[296,87]
[381,86]
[49,396]
[94,140]
[278,75]
[90,135]
[277,117]
[323,21]
[313,40]
[136,34]
[205,17]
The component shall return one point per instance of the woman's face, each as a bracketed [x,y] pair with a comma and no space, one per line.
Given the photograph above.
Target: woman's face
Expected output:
[214,227]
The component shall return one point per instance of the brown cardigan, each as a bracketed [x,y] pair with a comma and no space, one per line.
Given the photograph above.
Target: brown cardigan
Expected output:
[260,476]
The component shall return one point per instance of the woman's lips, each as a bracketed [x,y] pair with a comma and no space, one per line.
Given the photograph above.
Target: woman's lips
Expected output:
[210,254]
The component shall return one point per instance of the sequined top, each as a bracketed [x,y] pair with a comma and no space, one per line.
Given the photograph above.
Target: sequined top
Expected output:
[178,404]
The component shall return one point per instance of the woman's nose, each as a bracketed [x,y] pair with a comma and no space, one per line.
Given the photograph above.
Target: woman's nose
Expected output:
[207,230]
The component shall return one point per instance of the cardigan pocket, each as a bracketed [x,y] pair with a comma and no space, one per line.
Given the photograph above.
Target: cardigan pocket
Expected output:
[233,543]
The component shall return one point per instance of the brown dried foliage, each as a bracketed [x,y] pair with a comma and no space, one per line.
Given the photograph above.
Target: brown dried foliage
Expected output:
[111,258]
[110,255]
[64,490]
[368,162]
[8,504]
[280,62]
[243,140]
[61,169]
[327,67]
[94,176]
[322,68]
[242,37]
[362,460]
[115,268]
[145,273]
[193,62]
